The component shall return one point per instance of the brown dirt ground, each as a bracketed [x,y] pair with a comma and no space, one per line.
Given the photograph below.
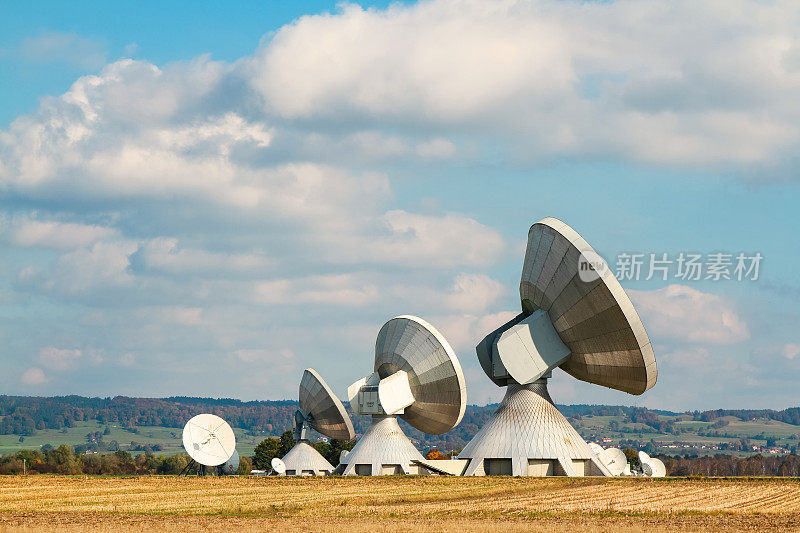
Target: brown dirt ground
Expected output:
[103,522]
[397,504]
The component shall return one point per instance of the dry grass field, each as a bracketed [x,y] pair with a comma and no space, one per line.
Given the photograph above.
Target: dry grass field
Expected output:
[396,503]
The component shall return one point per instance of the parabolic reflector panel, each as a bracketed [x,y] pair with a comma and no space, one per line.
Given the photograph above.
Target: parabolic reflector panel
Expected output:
[327,412]
[209,440]
[657,467]
[594,317]
[596,448]
[230,466]
[437,382]
[614,459]
[278,466]
[644,458]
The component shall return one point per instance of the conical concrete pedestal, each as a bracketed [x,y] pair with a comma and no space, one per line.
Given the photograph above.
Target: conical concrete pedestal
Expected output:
[383,450]
[528,436]
[304,460]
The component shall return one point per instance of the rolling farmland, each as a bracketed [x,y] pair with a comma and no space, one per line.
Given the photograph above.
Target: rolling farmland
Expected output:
[440,503]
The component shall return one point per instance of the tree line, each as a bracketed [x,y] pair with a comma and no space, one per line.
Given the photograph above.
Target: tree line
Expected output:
[24,415]
[731,465]
[65,460]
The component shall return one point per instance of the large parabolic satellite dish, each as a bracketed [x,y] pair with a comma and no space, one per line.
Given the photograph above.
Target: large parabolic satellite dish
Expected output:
[209,440]
[575,316]
[322,411]
[417,377]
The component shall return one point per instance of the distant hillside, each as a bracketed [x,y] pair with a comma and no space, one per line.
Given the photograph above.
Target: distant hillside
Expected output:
[634,426]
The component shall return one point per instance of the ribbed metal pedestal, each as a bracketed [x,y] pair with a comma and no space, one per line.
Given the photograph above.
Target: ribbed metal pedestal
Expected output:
[384,449]
[304,459]
[528,436]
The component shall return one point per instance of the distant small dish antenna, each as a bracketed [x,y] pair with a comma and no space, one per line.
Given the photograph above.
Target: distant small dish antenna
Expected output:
[615,460]
[644,458]
[343,455]
[651,466]
[657,468]
[209,440]
[596,448]
[231,466]
[278,466]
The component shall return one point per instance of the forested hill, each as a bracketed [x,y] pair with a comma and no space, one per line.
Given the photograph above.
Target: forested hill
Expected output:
[25,415]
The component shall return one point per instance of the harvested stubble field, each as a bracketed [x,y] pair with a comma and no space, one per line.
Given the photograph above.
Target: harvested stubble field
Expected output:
[396,503]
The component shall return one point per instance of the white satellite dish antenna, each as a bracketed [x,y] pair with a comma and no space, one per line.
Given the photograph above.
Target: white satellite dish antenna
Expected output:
[615,460]
[417,377]
[209,440]
[343,455]
[231,466]
[596,448]
[322,411]
[657,467]
[644,459]
[576,317]
[278,466]
[647,469]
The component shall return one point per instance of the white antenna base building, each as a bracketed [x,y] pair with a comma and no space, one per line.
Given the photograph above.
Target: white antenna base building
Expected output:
[305,460]
[528,436]
[384,449]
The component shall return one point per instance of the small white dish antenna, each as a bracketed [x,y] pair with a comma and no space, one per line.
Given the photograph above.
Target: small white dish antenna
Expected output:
[657,468]
[343,455]
[278,466]
[596,448]
[231,466]
[644,458]
[615,460]
[647,469]
[209,440]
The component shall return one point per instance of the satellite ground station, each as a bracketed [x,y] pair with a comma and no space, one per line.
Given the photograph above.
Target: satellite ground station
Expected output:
[575,316]
[321,410]
[210,442]
[417,377]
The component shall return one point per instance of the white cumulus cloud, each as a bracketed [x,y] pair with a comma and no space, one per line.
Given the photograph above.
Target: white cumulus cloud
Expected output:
[57,235]
[34,376]
[682,313]
[59,358]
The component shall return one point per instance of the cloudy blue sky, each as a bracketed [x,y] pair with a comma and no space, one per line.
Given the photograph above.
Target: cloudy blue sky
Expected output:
[199,199]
